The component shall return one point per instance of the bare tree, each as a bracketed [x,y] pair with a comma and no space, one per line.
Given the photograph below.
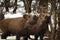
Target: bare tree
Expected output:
[58,30]
[27,4]
[53,11]
[7,3]
[15,4]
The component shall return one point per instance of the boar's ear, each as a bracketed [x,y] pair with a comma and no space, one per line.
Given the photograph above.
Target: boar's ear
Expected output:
[25,15]
[35,17]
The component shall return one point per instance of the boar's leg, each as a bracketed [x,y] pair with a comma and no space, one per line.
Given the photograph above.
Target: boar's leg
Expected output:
[17,37]
[41,36]
[36,37]
[26,37]
[4,35]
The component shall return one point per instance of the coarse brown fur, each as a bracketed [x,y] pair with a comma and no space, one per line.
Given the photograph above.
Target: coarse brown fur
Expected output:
[13,26]
[39,28]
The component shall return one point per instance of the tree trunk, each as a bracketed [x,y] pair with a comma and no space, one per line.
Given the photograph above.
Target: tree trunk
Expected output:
[15,4]
[53,10]
[7,4]
[27,4]
[58,30]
